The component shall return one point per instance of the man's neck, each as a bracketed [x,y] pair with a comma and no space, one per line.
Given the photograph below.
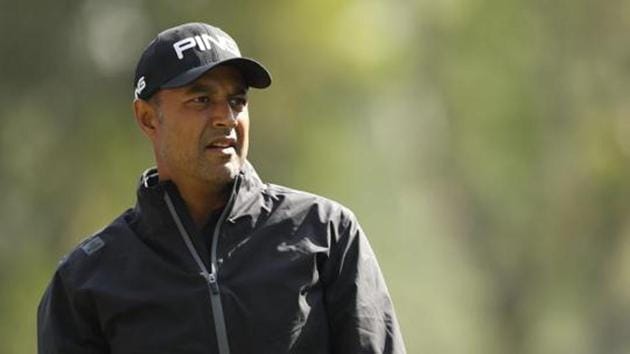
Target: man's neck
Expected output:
[202,198]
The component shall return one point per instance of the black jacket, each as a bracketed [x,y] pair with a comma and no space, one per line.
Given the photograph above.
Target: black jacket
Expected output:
[287,272]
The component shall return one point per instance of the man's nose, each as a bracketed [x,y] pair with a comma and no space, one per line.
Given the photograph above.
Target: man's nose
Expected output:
[223,115]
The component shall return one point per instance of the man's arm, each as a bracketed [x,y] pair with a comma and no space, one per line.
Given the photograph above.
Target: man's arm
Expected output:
[360,310]
[64,325]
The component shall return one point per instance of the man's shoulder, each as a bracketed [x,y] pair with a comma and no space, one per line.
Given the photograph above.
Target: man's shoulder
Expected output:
[296,195]
[95,250]
[300,201]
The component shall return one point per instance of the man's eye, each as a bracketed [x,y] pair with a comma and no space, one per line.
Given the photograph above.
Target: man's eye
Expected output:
[201,99]
[238,102]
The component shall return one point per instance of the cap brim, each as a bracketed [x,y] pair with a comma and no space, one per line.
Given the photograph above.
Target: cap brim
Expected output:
[253,72]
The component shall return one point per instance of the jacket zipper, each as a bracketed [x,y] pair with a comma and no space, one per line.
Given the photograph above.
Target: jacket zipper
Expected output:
[210,277]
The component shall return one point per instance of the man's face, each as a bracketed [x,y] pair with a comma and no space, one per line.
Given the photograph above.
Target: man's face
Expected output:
[203,128]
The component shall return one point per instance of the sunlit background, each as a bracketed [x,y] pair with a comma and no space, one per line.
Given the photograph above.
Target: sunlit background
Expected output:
[483,144]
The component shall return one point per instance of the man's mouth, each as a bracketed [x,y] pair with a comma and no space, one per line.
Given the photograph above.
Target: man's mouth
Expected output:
[225,145]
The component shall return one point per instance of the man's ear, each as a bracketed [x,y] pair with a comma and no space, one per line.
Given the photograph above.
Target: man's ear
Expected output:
[146,117]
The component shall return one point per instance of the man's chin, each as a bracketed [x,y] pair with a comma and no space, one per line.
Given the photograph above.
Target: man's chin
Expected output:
[221,174]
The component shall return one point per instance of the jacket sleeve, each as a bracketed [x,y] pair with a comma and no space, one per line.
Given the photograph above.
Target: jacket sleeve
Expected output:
[360,310]
[65,325]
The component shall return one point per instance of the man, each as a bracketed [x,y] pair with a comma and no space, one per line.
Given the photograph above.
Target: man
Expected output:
[211,259]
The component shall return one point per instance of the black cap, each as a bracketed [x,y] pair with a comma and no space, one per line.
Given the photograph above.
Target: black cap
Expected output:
[180,55]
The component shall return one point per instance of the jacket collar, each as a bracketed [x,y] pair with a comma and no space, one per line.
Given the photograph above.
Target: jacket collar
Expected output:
[251,197]
[251,201]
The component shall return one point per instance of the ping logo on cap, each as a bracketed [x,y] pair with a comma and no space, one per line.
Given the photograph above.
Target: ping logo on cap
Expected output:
[204,42]
[140,86]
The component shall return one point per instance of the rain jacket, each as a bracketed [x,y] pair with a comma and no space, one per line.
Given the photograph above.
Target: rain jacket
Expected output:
[286,272]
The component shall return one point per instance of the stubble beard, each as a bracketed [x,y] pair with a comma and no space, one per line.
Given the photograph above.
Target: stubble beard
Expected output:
[218,174]
[200,167]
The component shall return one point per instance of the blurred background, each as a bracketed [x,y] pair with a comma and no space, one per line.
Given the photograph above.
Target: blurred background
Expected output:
[483,144]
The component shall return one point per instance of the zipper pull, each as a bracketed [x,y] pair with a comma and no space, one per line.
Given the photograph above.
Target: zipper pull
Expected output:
[212,280]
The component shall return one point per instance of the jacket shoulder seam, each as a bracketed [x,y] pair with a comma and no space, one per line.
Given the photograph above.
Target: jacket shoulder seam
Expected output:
[93,245]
